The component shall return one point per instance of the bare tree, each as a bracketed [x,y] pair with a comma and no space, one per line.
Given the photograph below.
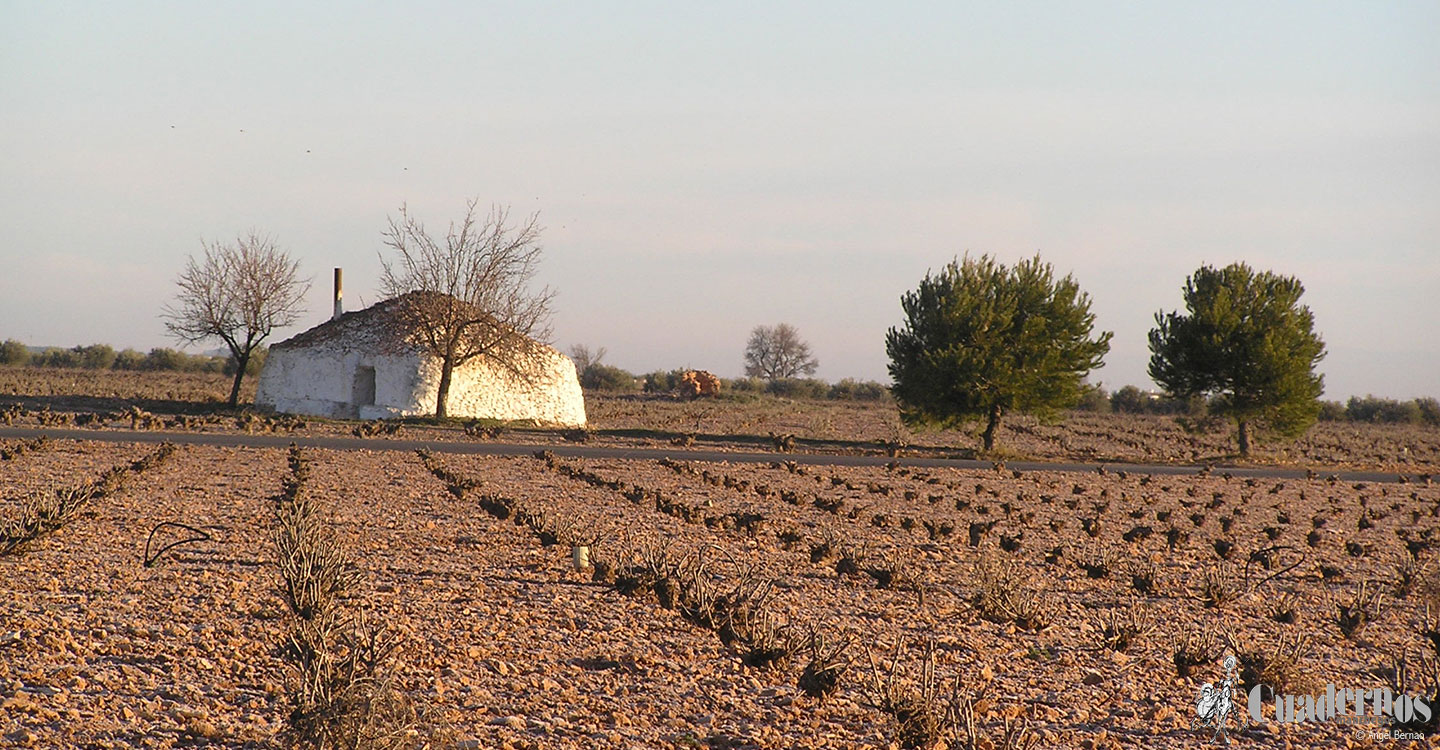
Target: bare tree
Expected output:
[584,357]
[778,353]
[468,292]
[238,293]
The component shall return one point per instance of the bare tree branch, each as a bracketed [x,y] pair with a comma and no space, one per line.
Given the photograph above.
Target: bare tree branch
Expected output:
[469,295]
[585,357]
[239,293]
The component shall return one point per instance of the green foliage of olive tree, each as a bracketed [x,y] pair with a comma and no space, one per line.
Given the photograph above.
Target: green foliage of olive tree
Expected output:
[1246,340]
[981,339]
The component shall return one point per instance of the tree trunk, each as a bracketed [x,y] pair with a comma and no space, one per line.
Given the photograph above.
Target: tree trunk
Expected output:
[1244,437]
[991,427]
[242,359]
[446,367]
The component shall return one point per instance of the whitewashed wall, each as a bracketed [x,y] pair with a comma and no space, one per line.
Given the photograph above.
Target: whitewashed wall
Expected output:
[320,379]
[548,394]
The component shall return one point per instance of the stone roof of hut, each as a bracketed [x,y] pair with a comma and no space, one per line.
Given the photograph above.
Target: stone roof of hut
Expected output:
[374,325]
[379,326]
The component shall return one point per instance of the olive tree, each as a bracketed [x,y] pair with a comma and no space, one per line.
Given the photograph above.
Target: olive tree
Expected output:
[778,353]
[468,292]
[240,293]
[13,352]
[981,339]
[1246,343]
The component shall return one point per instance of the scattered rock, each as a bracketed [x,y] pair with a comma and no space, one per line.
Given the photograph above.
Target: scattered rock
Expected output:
[513,722]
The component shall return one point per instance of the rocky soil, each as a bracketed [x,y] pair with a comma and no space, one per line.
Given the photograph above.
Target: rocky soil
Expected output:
[504,643]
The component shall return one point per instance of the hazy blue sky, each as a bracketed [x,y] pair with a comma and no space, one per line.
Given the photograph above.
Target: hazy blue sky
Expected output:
[702,171]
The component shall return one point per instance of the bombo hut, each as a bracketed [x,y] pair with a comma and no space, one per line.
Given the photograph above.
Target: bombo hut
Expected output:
[366,365]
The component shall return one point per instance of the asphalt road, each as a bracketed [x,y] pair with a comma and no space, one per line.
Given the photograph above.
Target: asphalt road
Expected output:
[595,451]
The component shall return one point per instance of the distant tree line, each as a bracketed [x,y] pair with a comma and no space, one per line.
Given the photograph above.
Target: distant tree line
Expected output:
[848,389]
[1370,409]
[104,357]
[596,376]
[1382,411]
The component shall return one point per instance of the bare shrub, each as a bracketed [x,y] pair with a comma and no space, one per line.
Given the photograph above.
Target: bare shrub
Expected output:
[342,689]
[11,452]
[1015,733]
[915,710]
[827,665]
[926,715]
[1409,572]
[478,429]
[851,560]
[376,427]
[1277,668]
[1006,592]
[1218,585]
[314,572]
[896,571]
[642,569]
[1120,628]
[1418,676]
[343,693]
[1096,560]
[313,569]
[1196,650]
[42,513]
[827,549]
[1361,608]
[1145,578]
[1285,609]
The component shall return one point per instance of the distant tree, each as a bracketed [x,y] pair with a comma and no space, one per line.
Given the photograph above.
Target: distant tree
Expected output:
[798,387]
[1429,410]
[253,367]
[1332,411]
[778,353]
[595,375]
[238,293]
[54,356]
[850,389]
[470,290]
[95,356]
[1384,410]
[164,359]
[129,359]
[1094,399]
[1247,341]
[602,377]
[662,381]
[1130,400]
[14,353]
[584,357]
[981,340]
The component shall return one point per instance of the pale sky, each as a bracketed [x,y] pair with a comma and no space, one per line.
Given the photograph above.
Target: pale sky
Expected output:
[703,171]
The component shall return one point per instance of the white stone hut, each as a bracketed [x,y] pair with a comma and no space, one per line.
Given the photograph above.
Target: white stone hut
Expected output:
[357,365]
